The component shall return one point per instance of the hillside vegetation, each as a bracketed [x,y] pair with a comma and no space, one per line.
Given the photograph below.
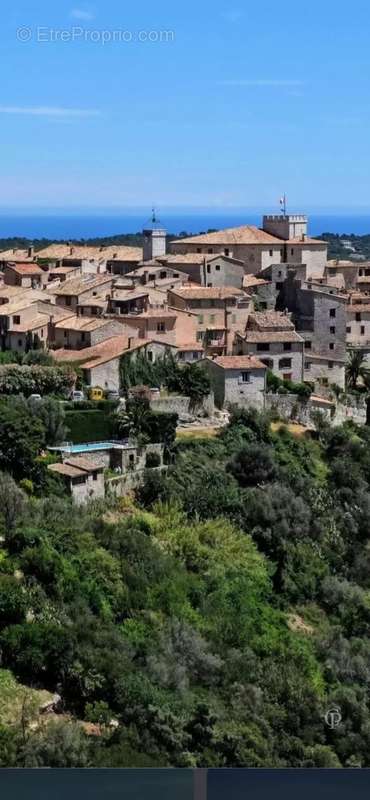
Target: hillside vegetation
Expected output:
[213,620]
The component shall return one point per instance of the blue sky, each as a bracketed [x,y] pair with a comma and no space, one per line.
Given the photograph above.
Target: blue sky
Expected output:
[245,101]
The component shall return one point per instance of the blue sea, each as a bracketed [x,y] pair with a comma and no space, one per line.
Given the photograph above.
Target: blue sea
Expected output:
[86,226]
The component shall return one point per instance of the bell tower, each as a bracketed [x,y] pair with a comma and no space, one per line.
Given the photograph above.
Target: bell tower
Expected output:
[154,239]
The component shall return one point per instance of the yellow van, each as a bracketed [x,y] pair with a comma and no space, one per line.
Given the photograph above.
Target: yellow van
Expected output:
[96,393]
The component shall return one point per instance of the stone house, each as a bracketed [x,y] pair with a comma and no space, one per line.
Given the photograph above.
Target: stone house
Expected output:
[77,332]
[283,238]
[271,337]
[76,290]
[27,275]
[26,319]
[207,270]
[237,380]
[84,479]
[100,364]
[319,313]
[154,349]
[128,301]
[220,313]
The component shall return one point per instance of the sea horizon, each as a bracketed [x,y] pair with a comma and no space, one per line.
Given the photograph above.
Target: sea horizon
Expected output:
[95,224]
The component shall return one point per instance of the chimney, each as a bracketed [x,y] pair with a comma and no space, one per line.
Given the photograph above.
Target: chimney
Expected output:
[31,251]
[71,251]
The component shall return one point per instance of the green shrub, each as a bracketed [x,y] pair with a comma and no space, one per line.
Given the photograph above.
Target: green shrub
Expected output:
[89,426]
[152,460]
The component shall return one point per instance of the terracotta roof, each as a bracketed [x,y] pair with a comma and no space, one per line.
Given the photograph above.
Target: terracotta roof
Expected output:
[74,323]
[251,280]
[82,252]
[272,336]
[158,312]
[306,240]
[35,323]
[244,234]
[129,294]
[67,470]
[352,308]
[83,463]
[322,400]
[269,320]
[208,292]
[98,354]
[85,283]
[190,346]
[330,357]
[25,268]
[238,362]
[15,255]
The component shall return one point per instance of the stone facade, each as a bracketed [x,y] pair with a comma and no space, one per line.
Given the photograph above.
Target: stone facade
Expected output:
[243,386]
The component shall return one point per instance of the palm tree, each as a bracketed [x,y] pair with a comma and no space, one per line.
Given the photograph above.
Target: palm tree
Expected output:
[356,368]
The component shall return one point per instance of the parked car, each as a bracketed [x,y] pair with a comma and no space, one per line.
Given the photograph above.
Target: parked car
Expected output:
[77,396]
[35,397]
[113,395]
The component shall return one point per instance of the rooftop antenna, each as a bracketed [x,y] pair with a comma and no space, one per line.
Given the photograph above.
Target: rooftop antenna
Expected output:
[283,204]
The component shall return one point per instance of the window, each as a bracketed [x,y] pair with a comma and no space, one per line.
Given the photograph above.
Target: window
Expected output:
[83,336]
[208,268]
[307,365]
[358,317]
[279,273]
[348,329]
[271,252]
[181,355]
[332,312]
[278,286]
[262,347]
[199,336]
[331,346]
[332,330]
[16,320]
[292,251]
[308,344]
[195,355]
[42,333]
[150,355]
[217,267]
[95,476]
[285,363]
[65,334]
[324,381]
[161,327]
[199,249]
[210,284]
[20,343]
[245,377]
[362,330]
[163,274]
[210,250]
[330,365]
[68,301]
[287,347]
[226,252]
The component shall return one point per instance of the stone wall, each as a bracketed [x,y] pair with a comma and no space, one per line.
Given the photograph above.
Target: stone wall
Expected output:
[179,404]
[292,409]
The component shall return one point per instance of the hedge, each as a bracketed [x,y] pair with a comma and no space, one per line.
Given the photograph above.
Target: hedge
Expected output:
[89,426]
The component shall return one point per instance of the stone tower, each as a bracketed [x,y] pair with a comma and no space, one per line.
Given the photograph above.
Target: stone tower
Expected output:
[286,226]
[154,240]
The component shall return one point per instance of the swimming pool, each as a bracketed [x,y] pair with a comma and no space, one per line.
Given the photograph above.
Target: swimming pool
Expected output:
[89,447]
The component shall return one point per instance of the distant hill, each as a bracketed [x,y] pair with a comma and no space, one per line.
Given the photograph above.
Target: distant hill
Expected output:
[360,245]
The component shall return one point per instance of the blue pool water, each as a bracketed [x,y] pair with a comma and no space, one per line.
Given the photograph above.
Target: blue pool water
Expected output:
[88,448]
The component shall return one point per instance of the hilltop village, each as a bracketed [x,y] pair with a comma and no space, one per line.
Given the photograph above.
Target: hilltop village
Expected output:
[240,302]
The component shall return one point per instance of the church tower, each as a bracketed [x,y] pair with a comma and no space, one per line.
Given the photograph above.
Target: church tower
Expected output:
[154,240]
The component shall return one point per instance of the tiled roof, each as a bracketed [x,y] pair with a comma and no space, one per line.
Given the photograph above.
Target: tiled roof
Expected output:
[352,308]
[188,346]
[244,234]
[272,336]
[77,286]
[65,251]
[269,320]
[251,280]
[35,323]
[74,323]
[208,292]
[15,255]
[98,354]
[306,240]
[83,463]
[25,268]
[238,362]
[67,470]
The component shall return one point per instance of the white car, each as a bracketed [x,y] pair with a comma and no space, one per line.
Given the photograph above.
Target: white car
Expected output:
[77,396]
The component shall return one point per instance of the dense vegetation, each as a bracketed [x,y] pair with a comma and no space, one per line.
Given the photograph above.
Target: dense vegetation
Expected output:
[212,621]
[361,245]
